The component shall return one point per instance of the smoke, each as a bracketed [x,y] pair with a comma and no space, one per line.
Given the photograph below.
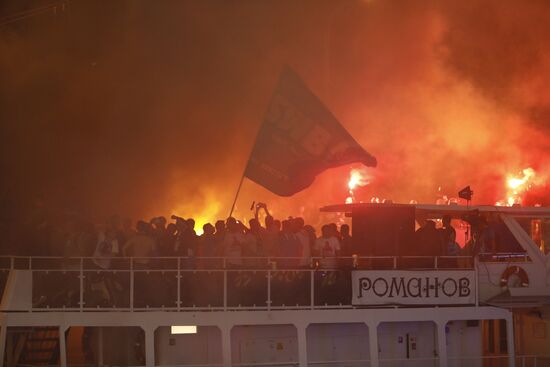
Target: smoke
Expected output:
[141,108]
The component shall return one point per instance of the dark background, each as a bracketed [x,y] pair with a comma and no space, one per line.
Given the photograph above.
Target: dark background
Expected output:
[145,107]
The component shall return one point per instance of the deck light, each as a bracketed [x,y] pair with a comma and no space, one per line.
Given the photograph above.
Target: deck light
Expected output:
[183,329]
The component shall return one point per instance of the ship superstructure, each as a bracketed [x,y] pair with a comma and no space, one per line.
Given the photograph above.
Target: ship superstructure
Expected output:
[394,302]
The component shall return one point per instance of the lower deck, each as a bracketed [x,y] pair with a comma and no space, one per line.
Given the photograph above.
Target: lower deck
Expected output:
[439,336]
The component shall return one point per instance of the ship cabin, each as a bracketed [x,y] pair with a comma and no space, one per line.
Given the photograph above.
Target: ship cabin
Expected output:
[418,285]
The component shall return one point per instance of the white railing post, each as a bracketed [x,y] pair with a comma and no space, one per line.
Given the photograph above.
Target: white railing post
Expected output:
[224,288]
[312,288]
[131,284]
[476,280]
[81,284]
[178,301]
[268,289]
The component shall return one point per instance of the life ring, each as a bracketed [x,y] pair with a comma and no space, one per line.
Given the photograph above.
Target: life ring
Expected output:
[517,271]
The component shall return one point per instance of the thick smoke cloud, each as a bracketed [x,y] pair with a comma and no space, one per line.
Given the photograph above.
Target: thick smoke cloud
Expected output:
[142,108]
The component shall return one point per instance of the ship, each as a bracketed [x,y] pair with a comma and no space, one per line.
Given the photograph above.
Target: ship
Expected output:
[394,302]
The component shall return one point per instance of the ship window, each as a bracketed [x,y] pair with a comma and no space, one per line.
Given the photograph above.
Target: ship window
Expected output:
[505,241]
[539,231]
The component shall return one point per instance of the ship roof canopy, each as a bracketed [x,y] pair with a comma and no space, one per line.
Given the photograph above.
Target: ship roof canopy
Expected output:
[439,210]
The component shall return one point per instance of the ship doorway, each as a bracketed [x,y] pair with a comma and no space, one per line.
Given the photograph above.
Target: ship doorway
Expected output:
[201,348]
[31,346]
[464,343]
[495,343]
[264,345]
[99,346]
[407,344]
[333,345]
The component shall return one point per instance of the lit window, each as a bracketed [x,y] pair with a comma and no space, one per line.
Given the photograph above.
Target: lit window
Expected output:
[183,330]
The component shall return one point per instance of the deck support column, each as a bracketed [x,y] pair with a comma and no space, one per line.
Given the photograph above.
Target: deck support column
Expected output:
[442,343]
[373,344]
[301,330]
[62,346]
[510,340]
[149,346]
[3,333]
[226,345]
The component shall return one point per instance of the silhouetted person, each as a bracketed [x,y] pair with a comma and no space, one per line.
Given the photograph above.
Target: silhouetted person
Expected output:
[166,240]
[233,243]
[427,243]
[220,229]
[448,235]
[289,246]
[142,246]
[327,247]
[208,244]
[346,241]
[303,241]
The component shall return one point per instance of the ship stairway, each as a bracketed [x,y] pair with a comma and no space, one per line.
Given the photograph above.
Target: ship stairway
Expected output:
[32,346]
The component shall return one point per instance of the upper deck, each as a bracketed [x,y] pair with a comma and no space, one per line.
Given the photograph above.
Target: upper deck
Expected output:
[496,277]
[374,286]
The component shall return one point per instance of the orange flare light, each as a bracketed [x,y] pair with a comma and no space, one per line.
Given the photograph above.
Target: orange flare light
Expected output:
[517,186]
[357,178]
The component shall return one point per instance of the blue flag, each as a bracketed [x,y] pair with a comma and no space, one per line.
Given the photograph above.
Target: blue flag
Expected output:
[299,139]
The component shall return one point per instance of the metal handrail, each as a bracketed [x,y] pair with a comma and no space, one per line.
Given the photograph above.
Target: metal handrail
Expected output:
[270,261]
[182,268]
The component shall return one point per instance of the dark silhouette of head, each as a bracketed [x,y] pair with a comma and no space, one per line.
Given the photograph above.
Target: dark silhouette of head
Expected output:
[344,230]
[220,227]
[142,227]
[208,229]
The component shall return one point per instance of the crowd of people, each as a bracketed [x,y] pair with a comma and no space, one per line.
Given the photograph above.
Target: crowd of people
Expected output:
[292,241]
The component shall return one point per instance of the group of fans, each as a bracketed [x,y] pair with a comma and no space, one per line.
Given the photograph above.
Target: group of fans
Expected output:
[290,242]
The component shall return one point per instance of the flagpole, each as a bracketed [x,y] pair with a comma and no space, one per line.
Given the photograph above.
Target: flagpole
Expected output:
[237,194]
[249,155]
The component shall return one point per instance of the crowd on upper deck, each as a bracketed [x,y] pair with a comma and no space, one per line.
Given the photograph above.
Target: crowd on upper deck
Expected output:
[290,240]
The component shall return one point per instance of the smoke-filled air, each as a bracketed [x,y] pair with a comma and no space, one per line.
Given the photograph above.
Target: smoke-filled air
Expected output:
[138,109]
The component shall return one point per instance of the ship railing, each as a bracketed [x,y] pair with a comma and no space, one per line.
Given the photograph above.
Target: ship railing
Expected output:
[248,262]
[504,257]
[210,283]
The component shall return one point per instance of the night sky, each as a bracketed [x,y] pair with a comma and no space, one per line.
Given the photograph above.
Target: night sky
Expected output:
[144,107]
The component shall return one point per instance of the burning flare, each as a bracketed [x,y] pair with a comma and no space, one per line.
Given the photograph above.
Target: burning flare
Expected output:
[517,186]
[357,178]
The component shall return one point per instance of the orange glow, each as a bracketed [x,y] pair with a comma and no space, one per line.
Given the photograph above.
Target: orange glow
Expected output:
[357,178]
[517,183]
[517,186]
[210,213]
